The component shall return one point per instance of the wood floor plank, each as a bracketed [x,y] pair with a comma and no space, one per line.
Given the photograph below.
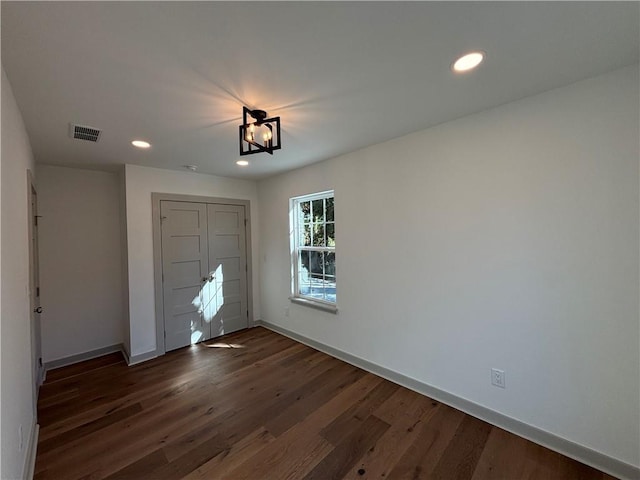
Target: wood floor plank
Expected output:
[59,397]
[141,468]
[166,421]
[125,381]
[231,458]
[166,381]
[353,418]
[310,398]
[258,405]
[349,449]
[288,457]
[94,364]
[236,422]
[434,437]
[546,464]
[87,428]
[307,429]
[506,454]
[459,460]
[405,412]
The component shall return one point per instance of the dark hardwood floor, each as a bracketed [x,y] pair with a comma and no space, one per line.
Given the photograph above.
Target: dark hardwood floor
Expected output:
[257,405]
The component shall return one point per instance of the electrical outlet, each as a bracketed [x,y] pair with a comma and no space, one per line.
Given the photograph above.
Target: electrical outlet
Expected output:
[497,378]
[286,311]
[20,439]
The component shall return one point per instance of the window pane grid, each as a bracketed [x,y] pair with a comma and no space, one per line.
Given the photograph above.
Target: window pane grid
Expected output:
[314,241]
[315,274]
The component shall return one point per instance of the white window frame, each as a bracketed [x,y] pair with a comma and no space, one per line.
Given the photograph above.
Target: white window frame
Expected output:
[294,224]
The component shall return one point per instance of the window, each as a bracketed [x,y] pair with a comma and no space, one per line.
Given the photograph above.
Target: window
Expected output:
[313,250]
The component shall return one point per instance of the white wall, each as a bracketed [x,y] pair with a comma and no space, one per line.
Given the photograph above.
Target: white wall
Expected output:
[80,261]
[140,183]
[17,406]
[504,239]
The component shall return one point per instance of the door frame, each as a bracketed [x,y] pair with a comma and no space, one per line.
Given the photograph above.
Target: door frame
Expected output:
[37,368]
[156,198]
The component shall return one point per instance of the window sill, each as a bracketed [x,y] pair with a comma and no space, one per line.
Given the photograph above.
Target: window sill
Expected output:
[317,305]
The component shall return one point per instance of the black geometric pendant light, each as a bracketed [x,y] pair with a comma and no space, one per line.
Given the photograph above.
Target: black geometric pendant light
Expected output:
[259,133]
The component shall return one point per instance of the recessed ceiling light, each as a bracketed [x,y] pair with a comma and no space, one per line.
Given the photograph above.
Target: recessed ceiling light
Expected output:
[140,144]
[242,163]
[193,168]
[468,61]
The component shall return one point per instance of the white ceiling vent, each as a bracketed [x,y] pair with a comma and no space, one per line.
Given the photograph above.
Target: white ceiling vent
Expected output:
[82,132]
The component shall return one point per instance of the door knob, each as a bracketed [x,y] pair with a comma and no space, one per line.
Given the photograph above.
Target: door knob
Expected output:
[37,310]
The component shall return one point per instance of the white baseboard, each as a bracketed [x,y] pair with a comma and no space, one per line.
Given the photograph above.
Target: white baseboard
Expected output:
[583,454]
[81,357]
[30,458]
[135,359]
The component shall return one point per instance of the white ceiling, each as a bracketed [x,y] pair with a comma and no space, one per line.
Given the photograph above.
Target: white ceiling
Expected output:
[341,75]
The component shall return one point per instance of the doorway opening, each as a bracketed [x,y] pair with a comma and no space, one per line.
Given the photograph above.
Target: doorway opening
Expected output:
[34,288]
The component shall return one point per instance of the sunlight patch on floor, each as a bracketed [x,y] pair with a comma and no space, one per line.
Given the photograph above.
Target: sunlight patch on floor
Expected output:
[225,345]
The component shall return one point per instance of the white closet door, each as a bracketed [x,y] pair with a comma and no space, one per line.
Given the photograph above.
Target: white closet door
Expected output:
[185,260]
[228,265]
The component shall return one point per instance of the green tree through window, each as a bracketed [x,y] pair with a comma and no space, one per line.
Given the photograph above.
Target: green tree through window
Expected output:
[314,243]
